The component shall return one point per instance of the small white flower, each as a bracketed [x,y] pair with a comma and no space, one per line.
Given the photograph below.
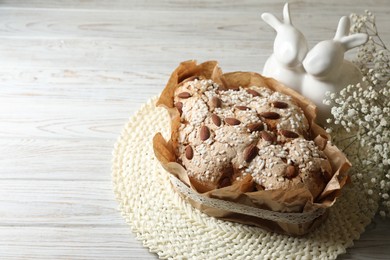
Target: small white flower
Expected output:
[368,118]
[351,112]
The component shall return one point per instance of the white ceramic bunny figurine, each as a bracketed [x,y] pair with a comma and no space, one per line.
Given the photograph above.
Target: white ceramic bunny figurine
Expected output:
[290,48]
[326,68]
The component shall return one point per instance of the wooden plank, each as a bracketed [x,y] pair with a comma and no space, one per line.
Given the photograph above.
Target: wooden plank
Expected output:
[247,5]
[48,80]
[70,243]
[132,24]
[59,202]
[56,159]
[55,119]
[156,24]
[152,58]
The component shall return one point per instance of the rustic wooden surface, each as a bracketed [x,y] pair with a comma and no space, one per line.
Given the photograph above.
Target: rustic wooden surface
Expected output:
[72,72]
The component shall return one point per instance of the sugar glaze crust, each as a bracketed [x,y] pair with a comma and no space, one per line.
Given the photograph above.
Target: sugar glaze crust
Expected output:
[228,135]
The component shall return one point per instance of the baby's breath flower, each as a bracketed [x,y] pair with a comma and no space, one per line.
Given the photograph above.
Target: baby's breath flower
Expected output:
[361,116]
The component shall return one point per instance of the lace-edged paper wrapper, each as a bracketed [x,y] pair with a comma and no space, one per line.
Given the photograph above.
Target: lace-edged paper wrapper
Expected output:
[294,212]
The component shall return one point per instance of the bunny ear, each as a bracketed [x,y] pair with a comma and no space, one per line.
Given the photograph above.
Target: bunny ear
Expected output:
[286,14]
[342,28]
[354,40]
[271,20]
[350,41]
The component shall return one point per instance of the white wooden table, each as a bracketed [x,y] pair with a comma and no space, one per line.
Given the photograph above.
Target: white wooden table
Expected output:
[72,72]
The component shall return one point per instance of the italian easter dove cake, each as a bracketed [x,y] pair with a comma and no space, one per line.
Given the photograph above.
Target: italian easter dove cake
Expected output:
[245,148]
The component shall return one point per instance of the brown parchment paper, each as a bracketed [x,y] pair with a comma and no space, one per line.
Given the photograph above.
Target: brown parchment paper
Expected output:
[297,199]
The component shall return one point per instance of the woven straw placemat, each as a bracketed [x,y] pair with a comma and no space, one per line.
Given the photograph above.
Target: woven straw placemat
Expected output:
[171,228]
